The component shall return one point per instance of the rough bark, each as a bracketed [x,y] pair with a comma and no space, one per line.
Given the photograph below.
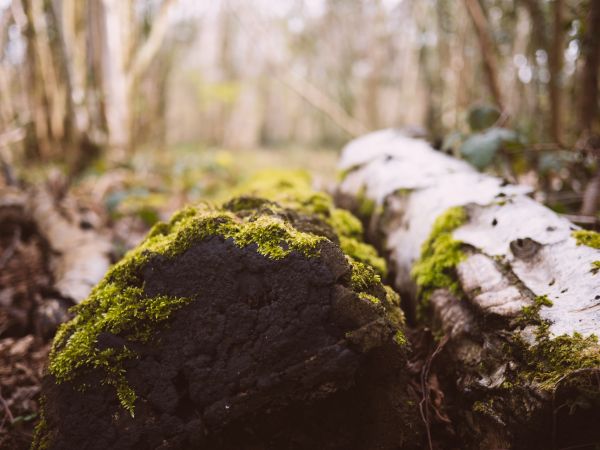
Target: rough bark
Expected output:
[273,347]
[503,278]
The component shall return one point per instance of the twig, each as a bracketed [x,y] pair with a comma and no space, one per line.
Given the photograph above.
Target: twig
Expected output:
[424,403]
[584,220]
[10,250]
[9,414]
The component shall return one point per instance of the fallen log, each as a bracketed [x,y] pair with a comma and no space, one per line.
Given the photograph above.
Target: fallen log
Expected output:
[238,326]
[511,289]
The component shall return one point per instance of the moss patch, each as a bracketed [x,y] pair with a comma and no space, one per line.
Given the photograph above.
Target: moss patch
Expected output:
[531,314]
[292,191]
[587,237]
[440,255]
[595,267]
[366,206]
[552,358]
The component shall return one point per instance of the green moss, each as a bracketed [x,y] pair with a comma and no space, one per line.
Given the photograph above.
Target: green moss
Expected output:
[440,255]
[552,358]
[595,267]
[41,434]
[345,224]
[531,314]
[363,253]
[400,338]
[292,190]
[587,237]
[366,206]
[369,297]
[363,277]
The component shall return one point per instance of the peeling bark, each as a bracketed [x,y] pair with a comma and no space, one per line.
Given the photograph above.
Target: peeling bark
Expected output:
[521,362]
[80,257]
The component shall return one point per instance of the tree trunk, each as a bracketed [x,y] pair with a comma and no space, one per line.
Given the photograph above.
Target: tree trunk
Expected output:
[555,59]
[488,50]
[271,337]
[589,82]
[589,103]
[511,286]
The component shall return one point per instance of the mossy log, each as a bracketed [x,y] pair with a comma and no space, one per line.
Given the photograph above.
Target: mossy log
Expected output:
[237,326]
[511,289]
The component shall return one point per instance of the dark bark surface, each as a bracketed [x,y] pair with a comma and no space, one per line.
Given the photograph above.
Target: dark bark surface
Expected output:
[259,359]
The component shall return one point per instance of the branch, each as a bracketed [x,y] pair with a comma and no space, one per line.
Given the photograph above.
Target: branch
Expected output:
[490,64]
[323,103]
[146,53]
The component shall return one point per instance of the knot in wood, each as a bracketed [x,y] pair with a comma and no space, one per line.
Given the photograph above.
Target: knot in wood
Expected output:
[525,248]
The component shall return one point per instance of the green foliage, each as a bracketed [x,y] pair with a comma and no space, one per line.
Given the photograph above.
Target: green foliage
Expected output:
[587,237]
[481,148]
[595,267]
[363,253]
[440,255]
[482,116]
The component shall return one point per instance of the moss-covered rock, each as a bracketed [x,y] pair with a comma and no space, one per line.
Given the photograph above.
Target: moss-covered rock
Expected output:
[227,325]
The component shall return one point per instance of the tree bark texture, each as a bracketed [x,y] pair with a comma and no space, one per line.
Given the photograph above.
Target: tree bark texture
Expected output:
[511,289]
[269,345]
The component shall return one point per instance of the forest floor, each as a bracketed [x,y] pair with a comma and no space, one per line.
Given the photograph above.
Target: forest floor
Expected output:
[120,202]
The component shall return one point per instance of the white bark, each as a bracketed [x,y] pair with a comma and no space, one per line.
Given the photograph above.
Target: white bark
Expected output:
[418,183]
[79,258]
[125,65]
[508,384]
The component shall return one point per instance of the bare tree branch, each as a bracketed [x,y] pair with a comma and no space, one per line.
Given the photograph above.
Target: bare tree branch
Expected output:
[486,44]
[146,53]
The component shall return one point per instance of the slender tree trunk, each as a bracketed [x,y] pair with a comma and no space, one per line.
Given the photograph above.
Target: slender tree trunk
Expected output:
[125,63]
[591,57]
[377,66]
[40,131]
[556,57]
[116,84]
[589,103]
[488,50]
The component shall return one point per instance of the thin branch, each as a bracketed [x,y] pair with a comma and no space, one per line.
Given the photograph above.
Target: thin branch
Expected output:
[323,103]
[148,50]
[486,44]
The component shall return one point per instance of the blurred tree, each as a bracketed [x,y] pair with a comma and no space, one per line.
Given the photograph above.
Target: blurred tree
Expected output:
[488,50]
[590,119]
